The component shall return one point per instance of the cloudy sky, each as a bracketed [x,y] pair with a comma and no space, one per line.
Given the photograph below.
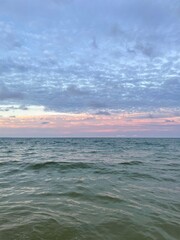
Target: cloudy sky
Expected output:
[90,68]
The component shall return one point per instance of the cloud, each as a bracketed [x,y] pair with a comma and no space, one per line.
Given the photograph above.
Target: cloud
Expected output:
[45,123]
[6,108]
[73,90]
[8,94]
[8,37]
[103,113]
[124,59]
[169,121]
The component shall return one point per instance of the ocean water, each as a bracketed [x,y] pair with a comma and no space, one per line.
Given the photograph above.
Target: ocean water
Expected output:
[89,189]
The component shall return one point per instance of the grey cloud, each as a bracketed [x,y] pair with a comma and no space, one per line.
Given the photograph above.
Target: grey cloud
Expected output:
[105,113]
[169,121]
[23,107]
[45,123]
[97,104]
[6,93]
[148,50]
[10,108]
[73,90]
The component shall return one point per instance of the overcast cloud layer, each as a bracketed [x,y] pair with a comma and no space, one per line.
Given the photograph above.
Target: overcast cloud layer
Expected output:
[98,56]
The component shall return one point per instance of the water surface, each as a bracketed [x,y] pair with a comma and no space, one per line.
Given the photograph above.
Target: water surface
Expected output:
[99,189]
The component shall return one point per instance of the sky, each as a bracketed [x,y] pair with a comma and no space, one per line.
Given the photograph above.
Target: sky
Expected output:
[80,68]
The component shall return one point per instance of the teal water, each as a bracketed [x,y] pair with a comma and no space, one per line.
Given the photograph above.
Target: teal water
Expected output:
[83,189]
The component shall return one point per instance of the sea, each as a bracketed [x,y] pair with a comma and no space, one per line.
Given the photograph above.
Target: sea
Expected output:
[89,189]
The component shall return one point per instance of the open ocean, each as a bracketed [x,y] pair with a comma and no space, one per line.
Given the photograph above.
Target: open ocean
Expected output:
[89,189]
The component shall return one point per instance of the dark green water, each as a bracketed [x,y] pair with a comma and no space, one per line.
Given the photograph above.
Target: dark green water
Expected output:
[99,189]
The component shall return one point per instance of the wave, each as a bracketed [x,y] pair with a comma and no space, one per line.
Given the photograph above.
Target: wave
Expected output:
[131,163]
[60,165]
[89,196]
